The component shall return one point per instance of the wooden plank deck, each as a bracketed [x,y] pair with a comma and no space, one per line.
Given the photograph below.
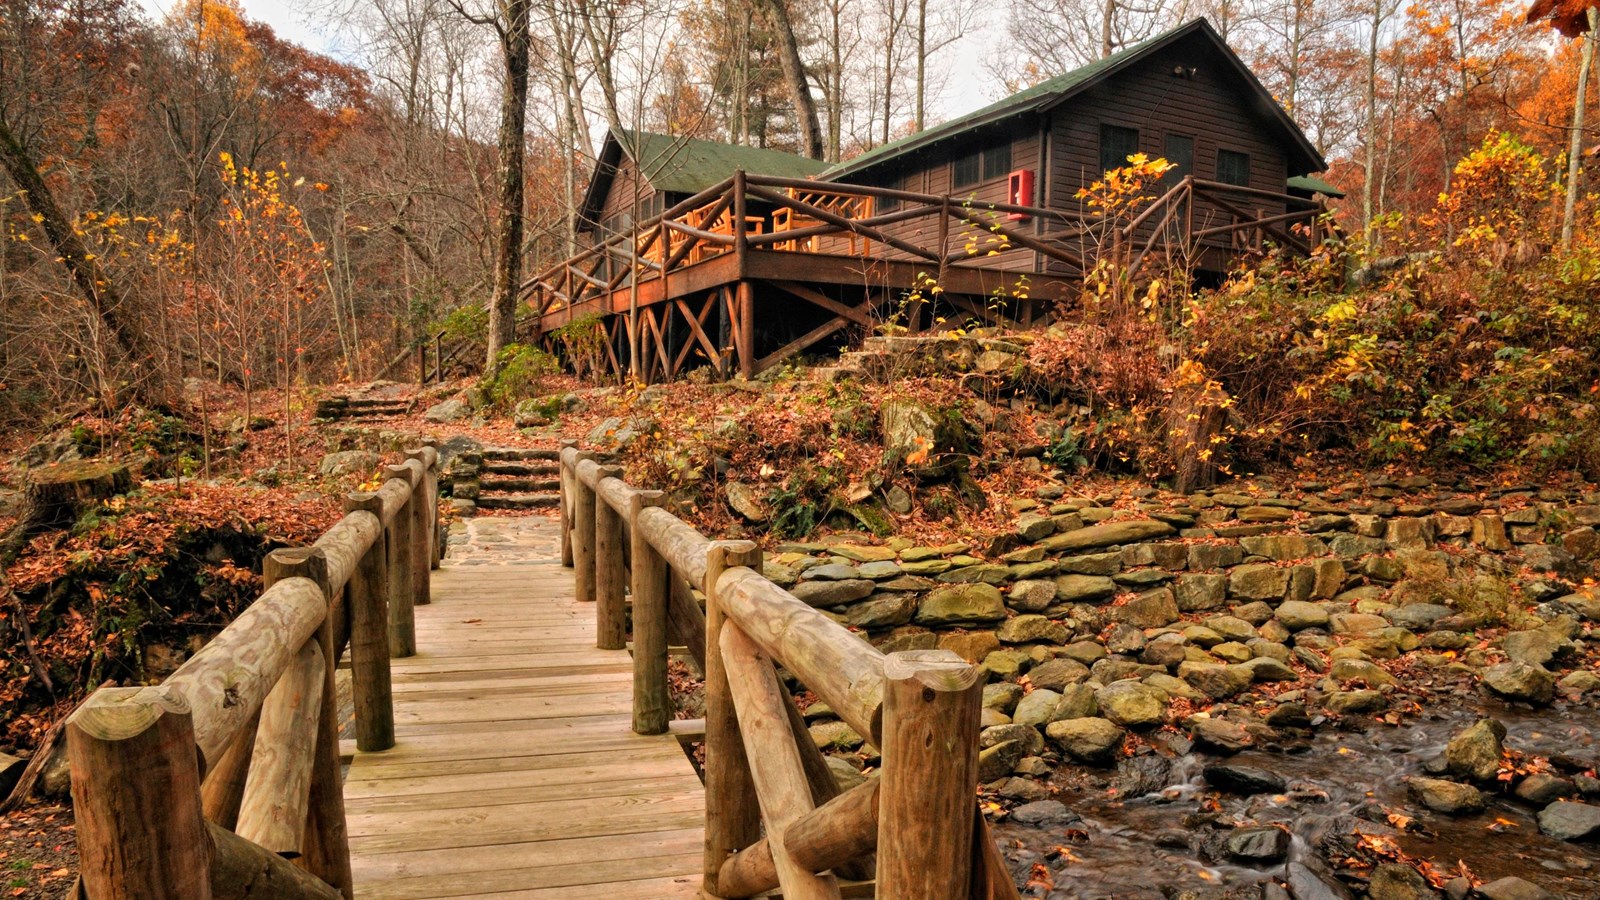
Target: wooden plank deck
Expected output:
[515,773]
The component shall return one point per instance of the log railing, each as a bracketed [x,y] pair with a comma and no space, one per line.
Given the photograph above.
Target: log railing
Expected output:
[765,213]
[223,781]
[775,817]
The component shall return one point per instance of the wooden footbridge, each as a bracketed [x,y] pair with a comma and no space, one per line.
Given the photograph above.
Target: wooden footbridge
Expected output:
[513,729]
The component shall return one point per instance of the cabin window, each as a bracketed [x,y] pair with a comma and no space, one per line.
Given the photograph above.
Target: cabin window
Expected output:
[1178,149]
[1233,167]
[1116,145]
[997,162]
[966,169]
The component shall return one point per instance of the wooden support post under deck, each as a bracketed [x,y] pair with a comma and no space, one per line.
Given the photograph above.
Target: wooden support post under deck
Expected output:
[325,849]
[611,572]
[931,702]
[367,593]
[402,594]
[136,796]
[652,706]
[733,819]
[747,329]
[775,763]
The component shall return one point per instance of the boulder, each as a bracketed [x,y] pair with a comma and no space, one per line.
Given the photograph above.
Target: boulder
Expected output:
[451,410]
[1217,682]
[1083,588]
[1475,752]
[1089,739]
[1519,681]
[961,603]
[882,611]
[1567,820]
[1392,881]
[1450,797]
[1536,647]
[1513,888]
[827,594]
[1152,609]
[347,462]
[1132,704]
[1245,780]
[1201,592]
[1031,595]
[1036,707]
[1284,546]
[1107,534]
[1219,735]
[747,501]
[1298,615]
[1030,628]
[1258,844]
[1056,674]
[1258,581]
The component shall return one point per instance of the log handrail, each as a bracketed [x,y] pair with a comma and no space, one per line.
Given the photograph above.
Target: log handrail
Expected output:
[921,709]
[204,786]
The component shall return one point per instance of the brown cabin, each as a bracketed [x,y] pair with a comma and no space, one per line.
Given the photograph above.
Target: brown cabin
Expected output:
[699,251]
[1183,95]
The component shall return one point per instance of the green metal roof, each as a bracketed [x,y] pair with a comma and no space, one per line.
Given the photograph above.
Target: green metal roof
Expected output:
[1314,185]
[1053,90]
[688,166]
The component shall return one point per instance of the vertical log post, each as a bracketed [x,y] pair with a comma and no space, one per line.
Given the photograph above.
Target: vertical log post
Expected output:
[424,524]
[367,593]
[733,817]
[402,594]
[747,329]
[652,707]
[276,798]
[136,796]
[582,534]
[223,788]
[325,847]
[931,701]
[566,476]
[610,573]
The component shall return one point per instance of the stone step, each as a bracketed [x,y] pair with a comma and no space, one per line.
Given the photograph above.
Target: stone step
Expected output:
[518,501]
[520,467]
[487,484]
[520,453]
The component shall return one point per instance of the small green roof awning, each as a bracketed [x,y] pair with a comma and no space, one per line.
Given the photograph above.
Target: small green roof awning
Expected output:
[1311,184]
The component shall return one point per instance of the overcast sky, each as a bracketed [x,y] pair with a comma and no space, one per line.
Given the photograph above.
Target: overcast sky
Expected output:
[968,86]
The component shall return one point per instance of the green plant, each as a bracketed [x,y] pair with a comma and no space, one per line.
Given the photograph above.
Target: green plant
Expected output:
[518,371]
[1066,451]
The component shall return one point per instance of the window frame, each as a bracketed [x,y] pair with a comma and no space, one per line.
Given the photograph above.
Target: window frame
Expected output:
[997,162]
[1238,157]
[1108,129]
[974,159]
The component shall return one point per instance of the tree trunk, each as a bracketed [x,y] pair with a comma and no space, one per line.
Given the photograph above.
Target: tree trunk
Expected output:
[515,38]
[97,290]
[1575,150]
[794,76]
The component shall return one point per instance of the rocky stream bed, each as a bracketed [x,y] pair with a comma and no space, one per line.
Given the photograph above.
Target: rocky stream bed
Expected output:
[1318,814]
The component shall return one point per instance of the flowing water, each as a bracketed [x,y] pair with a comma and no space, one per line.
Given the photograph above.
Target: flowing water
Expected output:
[1147,830]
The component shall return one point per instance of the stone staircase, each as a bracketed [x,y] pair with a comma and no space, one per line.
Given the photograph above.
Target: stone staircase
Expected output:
[347,408]
[515,478]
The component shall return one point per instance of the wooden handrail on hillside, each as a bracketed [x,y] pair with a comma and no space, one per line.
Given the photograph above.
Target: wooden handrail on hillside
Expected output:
[918,818]
[205,786]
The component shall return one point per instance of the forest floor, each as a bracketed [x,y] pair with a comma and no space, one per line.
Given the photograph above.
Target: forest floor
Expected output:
[793,436]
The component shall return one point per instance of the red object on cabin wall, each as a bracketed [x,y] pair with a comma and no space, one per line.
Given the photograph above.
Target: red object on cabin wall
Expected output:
[1019,192]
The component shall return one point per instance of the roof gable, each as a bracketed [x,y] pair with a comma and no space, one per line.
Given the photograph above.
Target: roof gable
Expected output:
[1056,91]
[681,165]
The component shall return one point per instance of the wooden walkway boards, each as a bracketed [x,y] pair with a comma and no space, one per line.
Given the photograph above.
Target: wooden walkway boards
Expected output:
[515,773]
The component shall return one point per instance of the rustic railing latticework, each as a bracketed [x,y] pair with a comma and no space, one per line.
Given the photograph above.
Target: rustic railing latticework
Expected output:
[775,817]
[810,258]
[223,781]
